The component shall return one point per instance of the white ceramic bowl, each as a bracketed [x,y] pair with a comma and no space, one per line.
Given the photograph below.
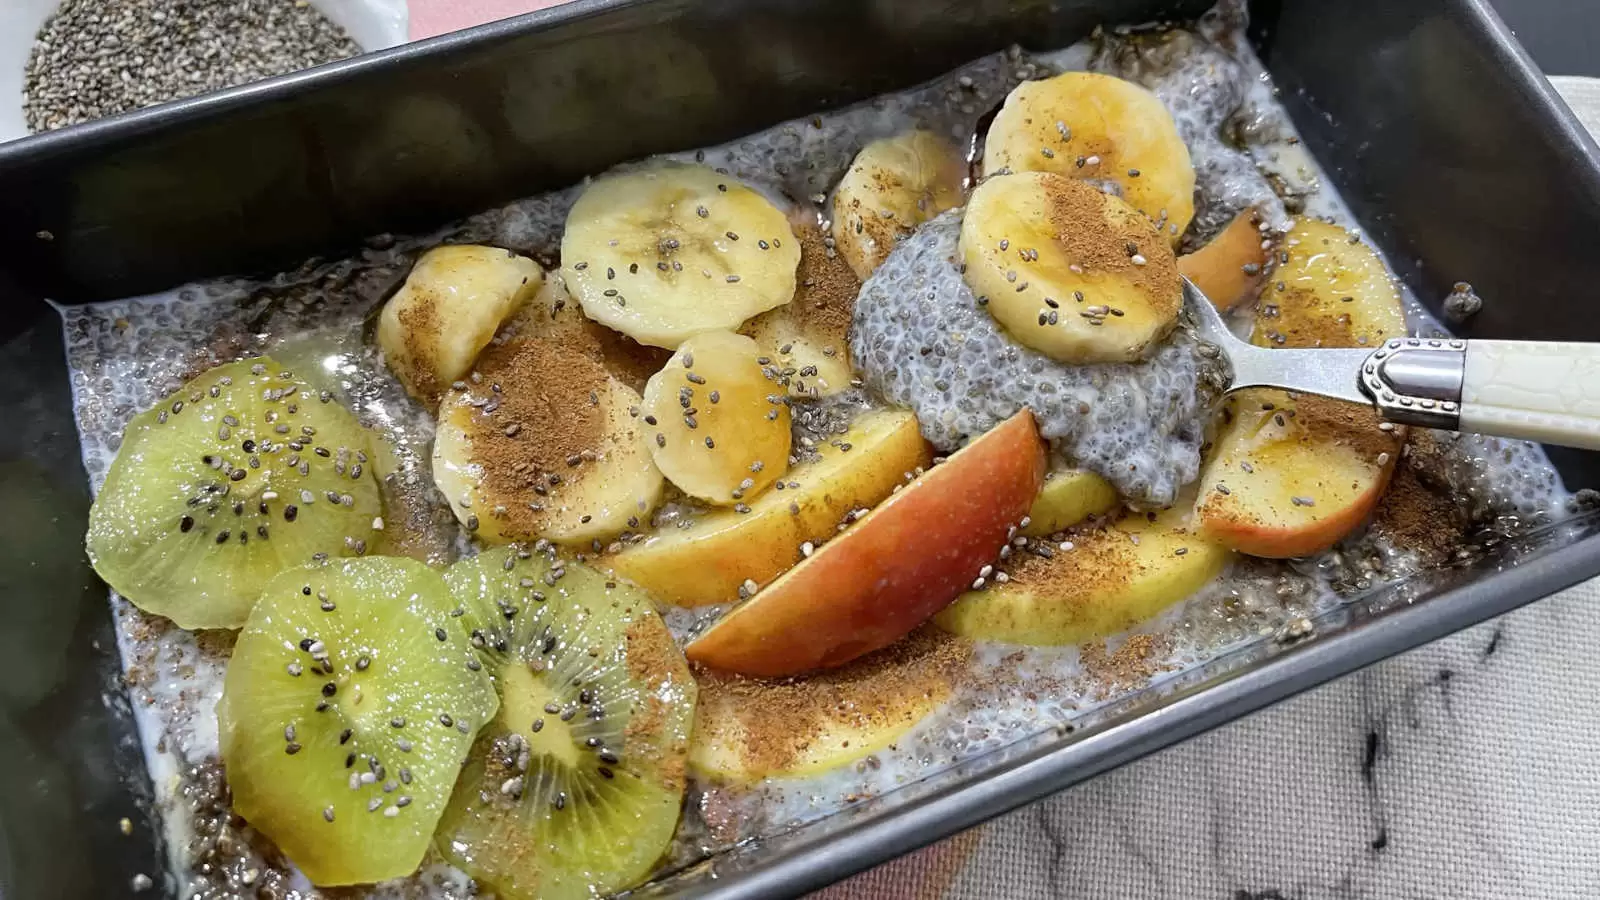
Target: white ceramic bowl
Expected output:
[374,24]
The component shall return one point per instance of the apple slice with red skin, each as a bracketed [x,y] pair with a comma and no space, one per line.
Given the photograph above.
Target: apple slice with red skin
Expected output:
[1288,476]
[1292,477]
[891,571]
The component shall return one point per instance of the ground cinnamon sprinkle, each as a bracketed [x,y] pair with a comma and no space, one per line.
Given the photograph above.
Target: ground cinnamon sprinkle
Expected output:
[1299,318]
[543,408]
[630,361]
[1130,666]
[772,723]
[556,317]
[421,327]
[883,233]
[1102,244]
[825,296]
[644,729]
[552,315]
[1102,560]
[653,659]
[1416,517]
[1350,424]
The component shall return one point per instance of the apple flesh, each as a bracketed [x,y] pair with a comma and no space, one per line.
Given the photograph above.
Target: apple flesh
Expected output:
[1228,269]
[893,569]
[1068,497]
[749,729]
[1111,579]
[708,561]
[1290,478]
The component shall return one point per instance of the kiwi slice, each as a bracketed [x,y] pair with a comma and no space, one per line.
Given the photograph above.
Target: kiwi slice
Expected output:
[574,790]
[240,474]
[350,703]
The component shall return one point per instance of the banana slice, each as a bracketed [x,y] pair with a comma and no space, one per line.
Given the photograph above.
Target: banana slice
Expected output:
[542,442]
[1069,270]
[717,423]
[1086,125]
[448,310]
[894,185]
[808,363]
[807,341]
[668,251]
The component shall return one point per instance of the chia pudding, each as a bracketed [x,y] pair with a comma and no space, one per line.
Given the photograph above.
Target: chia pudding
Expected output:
[924,342]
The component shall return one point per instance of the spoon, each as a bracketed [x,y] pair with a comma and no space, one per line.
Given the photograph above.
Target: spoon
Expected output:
[1545,391]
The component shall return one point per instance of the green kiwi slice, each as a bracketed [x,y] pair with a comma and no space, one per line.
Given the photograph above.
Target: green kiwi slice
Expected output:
[574,790]
[240,474]
[350,703]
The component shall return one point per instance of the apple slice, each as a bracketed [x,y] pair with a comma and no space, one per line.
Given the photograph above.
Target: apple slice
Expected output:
[1336,292]
[1228,269]
[1068,497]
[1290,477]
[709,560]
[747,729]
[1110,579]
[891,571]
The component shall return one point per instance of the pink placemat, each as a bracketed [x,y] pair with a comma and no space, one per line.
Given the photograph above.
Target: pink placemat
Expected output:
[431,17]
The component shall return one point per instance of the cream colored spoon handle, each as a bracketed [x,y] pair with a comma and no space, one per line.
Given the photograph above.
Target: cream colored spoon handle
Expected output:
[1533,390]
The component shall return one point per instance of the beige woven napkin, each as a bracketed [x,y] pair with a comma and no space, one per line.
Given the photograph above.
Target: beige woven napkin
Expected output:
[1465,769]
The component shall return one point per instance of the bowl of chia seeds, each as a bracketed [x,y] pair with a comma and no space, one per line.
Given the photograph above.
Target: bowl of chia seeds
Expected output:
[63,62]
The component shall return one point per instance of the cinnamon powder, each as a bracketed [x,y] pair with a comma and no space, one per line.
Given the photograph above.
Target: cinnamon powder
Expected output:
[1417,517]
[421,328]
[1300,318]
[1130,666]
[1353,425]
[653,659]
[542,411]
[776,719]
[555,317]
[1102,562]
[1100,241]
[631,362]
[825,296]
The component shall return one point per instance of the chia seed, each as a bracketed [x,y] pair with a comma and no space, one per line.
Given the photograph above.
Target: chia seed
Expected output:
[97,58]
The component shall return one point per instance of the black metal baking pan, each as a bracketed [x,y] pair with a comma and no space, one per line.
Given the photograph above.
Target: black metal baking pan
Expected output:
[1437,128]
